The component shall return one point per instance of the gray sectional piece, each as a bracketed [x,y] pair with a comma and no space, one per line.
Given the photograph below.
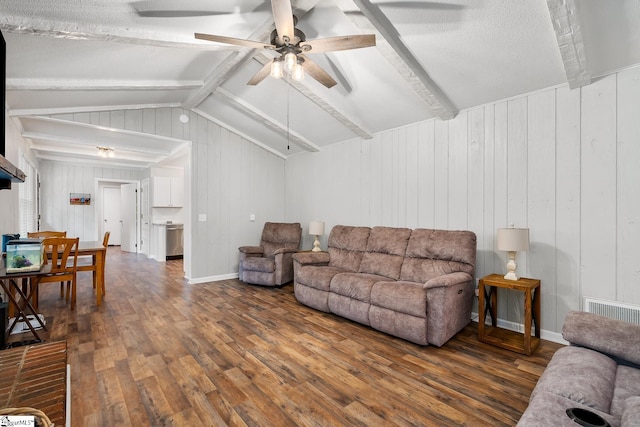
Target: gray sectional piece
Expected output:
[414,284]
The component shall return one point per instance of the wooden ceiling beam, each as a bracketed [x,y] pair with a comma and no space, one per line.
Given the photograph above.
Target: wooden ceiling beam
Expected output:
[566,25]
[268,121]
[334,112]
[388,42]
[29,27]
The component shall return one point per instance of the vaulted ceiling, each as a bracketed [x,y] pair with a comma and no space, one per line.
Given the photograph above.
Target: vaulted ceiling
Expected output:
[431,59]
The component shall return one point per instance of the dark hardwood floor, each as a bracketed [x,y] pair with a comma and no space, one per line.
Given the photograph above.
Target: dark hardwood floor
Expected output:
[161,352]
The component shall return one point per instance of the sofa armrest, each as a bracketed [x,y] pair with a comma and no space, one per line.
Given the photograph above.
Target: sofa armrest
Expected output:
[311,258]
[612,337]
[285,251]
[448,280]
[251,250]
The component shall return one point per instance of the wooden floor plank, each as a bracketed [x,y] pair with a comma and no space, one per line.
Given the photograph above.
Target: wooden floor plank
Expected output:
[161,352]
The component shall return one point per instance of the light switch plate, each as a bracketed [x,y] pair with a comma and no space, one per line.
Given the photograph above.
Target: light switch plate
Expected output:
[202,217]
[252,217]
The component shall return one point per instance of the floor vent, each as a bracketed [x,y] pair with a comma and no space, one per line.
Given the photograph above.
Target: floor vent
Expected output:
[615,310]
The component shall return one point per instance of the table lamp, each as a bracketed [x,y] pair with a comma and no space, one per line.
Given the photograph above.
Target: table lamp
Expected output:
[316,228]
[512,240]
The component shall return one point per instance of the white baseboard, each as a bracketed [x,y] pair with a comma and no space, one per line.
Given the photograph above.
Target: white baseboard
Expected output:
[519,327]
[193,281]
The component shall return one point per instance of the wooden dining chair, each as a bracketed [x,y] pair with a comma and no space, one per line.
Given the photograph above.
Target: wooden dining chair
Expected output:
[88,263]
[44,234]
[63,256]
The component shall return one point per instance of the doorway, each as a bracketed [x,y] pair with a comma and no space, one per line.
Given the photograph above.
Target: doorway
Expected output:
[111,217]
[117,212]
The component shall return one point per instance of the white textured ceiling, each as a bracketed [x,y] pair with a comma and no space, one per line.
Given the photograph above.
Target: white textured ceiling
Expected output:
[432,59]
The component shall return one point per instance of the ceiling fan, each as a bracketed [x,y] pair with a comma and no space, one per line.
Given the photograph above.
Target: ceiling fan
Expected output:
[291,45]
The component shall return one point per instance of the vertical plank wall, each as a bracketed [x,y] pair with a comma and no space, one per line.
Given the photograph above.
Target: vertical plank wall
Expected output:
[57,180]
[9,199]
[561,162]
[230,179]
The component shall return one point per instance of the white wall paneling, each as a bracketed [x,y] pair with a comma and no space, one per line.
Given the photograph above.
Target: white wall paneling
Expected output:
[628,186]
[9,199]
[57,180]
[598,190]
[561,162]
[567,187]
[230,178]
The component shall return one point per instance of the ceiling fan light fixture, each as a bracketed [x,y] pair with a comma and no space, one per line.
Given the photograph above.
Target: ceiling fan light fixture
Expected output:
[290,61]
[276,69]
[298,72]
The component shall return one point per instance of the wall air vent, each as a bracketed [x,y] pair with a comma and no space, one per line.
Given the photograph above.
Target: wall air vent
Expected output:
[613,309]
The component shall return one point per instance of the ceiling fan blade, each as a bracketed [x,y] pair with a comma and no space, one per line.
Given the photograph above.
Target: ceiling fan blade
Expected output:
[317,73]
[177,13]
[332,44]
[419,5]
[260,75]
[233,41]
[283,18]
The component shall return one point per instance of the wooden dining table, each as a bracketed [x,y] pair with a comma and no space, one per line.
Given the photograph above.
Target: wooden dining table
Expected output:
[98,252]
[18,290]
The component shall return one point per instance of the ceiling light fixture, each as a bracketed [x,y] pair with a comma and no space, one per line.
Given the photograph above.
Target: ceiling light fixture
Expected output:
[298,72]
[105,151]
[289,64]
[277,71]
[290,61]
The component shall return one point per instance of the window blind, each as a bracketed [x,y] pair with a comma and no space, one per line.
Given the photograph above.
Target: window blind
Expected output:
[27,195]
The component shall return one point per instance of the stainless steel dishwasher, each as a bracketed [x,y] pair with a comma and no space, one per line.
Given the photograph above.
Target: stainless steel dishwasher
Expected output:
[175,241]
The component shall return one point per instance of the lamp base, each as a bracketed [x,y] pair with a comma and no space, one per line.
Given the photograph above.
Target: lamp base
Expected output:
[511,267]
[511,276]
[316,245]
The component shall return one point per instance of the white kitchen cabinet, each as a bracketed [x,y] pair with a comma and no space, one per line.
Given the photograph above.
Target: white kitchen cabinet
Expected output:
[177,192]
[168,192]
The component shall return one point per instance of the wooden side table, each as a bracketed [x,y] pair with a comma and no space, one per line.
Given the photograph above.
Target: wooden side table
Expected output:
[488,303]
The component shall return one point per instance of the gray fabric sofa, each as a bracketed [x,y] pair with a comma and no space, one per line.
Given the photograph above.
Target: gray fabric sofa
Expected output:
[414,284]
[598,372]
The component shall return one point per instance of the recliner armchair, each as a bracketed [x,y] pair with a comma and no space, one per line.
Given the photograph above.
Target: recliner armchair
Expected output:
[271,263]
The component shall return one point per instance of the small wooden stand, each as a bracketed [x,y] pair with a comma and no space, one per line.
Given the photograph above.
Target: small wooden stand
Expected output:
[488,303]
[35,376]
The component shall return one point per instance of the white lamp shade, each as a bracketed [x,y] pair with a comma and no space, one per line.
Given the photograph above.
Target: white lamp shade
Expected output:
[316,228]
[513,239]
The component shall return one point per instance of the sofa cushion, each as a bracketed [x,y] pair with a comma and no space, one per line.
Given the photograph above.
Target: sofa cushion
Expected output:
[265,265]
[385,251]
[610,336]
[280,235]
[581,375]
[317,277]
[433,253]
[550,409]
[346,246]
[627,385]
[631,413]
[405,326]
[355,285]
[403,297]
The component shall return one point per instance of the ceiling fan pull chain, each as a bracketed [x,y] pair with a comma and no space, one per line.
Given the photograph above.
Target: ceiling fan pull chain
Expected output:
[288,101]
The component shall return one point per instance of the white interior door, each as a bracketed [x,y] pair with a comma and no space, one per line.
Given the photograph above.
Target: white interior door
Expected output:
[144,217]
[111,214]
[129,217]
